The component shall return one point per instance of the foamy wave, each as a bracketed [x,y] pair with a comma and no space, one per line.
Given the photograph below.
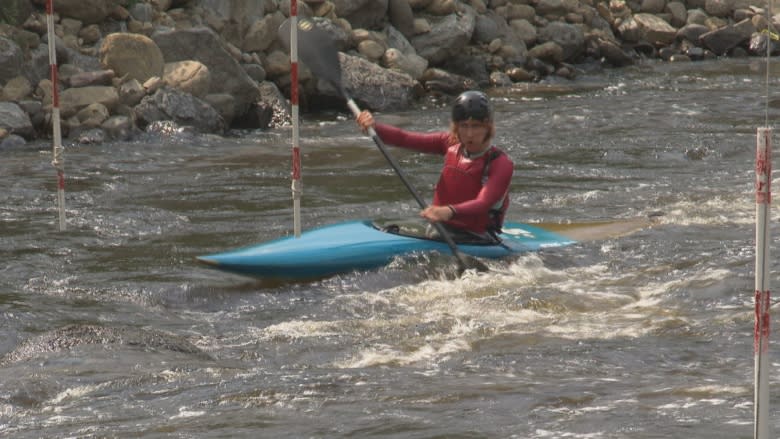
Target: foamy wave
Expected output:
[74,393]
[300,329]
[388,355]
[185,413]
[711,211]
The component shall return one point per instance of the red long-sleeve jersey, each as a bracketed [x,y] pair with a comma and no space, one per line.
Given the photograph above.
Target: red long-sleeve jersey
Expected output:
[463,183]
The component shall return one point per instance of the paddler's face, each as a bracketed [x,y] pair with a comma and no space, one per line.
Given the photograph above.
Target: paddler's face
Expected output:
[474,134]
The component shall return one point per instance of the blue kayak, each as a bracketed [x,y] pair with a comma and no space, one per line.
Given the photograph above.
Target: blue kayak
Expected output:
[365,245]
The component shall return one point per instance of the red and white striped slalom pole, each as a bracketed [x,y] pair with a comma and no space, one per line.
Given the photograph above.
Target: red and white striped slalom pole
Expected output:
[296,152]
[762,301]
[58,160]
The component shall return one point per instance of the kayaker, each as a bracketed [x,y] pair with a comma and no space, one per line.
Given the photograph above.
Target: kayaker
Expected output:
[472,194]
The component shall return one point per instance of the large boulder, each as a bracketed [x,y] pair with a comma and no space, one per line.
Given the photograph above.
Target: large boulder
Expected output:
[568,36]
[15,12]
[271,111]
[203,45]
[486,28]
[11,59]
[134,55]
[74,100]
[720,41]
[243,12]
[655,30]
[15,121]
[447,37]
[16,89]
[190,76]
[378,88]
[262,33]
[181,108]
[401,16]
[411,64]
[86,11]
[367,14]
[232,19]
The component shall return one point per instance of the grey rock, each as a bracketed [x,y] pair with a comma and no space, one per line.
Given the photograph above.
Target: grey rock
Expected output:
[15,120]
[181,108]
[203,45]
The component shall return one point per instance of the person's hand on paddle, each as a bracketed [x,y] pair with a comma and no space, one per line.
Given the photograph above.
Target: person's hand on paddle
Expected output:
[437,214]
[365,120]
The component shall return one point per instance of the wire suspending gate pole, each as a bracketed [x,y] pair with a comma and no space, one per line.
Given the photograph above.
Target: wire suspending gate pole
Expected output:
[58,160]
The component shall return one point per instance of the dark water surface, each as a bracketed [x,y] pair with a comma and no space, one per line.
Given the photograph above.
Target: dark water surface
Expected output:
[111,329]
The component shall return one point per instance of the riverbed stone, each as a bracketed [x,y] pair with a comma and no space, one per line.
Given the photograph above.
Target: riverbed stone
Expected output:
[93,115]
[401,16]
[73,100]
[118,127]
[446,37]
[377,88]
[11,141]
[441,7]
[169,104]
[84,79]
[678,13]
[11,60]
[719,8]
[90,34]
[367,14]
[16,89]
[485,29]
[131,92]
[203,45]
[692,32]
[720,41]
[524,30]
[190,76]
[652,6]
[262,32]
[134,55]
[237,44]
[549,51]
[15,121]
[442,81]
[568,37]
[411,64]
[87,11]
[655,30]
[371,50]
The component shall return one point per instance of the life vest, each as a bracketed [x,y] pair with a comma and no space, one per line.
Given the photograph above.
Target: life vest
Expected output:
[461,180]
[497,212]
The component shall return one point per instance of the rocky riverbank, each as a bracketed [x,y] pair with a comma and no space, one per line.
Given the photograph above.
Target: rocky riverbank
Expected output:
[126,66]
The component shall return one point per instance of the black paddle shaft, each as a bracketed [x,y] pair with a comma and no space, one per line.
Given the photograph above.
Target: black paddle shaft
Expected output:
[318,51]
[402,175]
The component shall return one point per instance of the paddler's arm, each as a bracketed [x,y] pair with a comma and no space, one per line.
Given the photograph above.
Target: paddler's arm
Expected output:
[432,143]
[437,214]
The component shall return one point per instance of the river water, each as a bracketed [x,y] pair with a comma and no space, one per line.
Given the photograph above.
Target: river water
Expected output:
[111,328]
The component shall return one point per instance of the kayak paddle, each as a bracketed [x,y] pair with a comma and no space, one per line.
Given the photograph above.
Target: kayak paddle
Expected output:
[318,51]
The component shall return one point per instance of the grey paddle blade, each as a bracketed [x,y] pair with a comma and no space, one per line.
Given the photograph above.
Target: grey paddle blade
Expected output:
[316,49]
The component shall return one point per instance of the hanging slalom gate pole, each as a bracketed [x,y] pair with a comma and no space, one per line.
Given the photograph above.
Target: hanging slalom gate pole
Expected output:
[57,149]
[762,301]
[296,152]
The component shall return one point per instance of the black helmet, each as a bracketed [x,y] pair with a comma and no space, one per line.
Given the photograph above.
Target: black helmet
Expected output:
[472,105]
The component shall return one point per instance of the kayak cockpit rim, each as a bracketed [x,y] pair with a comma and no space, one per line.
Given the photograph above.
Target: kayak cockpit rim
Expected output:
[418,229]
